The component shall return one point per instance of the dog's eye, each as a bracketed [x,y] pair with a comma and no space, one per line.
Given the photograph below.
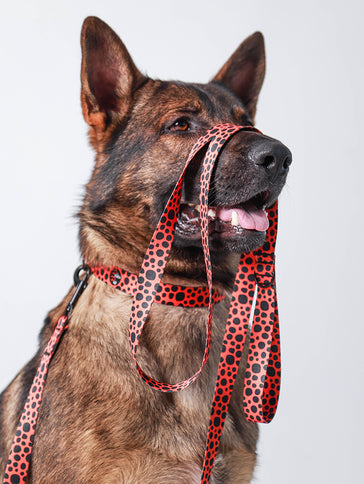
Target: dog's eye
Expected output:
[180,125]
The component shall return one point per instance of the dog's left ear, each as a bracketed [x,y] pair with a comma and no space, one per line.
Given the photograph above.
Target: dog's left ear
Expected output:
[244,72]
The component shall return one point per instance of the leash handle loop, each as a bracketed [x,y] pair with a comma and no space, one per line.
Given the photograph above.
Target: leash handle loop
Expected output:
[157,254]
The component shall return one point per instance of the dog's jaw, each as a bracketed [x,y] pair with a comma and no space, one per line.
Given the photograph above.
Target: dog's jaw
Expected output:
[229,227]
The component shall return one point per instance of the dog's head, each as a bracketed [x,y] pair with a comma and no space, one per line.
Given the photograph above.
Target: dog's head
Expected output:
[143,130]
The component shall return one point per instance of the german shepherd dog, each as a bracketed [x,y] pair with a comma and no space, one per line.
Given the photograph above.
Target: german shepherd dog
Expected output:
[98,421]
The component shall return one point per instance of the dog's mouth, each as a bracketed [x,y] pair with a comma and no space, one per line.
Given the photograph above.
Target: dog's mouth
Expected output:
[230,221]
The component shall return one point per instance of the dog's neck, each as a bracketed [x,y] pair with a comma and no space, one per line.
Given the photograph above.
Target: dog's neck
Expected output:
[185,268]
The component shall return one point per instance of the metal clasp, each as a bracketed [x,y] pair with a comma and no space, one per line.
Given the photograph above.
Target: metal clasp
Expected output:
[80,284]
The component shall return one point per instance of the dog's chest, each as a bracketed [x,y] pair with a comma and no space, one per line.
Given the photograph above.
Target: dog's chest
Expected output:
[93,391]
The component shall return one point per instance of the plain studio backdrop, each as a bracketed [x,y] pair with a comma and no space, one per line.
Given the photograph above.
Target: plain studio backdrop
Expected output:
[312,100]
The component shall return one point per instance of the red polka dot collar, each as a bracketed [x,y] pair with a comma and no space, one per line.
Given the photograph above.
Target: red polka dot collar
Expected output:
[170,294]
[253,309]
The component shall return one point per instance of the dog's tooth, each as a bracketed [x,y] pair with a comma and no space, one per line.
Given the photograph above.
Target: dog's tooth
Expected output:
[211,213]
[191,204]
[234,218]
[197,207]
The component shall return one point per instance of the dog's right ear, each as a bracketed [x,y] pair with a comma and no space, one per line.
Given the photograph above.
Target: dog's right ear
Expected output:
[108,77]
[244,72]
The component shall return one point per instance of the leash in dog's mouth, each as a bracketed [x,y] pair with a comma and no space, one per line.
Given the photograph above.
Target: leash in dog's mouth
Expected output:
[253,308]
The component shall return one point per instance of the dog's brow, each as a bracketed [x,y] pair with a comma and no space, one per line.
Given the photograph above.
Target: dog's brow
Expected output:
[183,109]
[193,109]
[204,99]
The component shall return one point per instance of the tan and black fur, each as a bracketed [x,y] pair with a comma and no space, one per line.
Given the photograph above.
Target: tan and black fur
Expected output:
[98,422]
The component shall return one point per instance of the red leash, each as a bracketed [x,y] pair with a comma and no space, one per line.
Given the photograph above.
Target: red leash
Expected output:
[253,295]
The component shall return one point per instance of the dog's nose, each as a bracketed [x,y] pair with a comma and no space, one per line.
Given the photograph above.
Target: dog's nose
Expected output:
[273,155]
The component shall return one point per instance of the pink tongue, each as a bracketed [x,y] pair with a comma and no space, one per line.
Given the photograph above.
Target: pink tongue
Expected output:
[251,219]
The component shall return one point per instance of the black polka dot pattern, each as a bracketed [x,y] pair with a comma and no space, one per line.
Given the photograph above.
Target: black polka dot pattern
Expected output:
[169,294]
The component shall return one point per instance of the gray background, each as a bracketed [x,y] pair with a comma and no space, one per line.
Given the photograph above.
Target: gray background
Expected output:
[312,100]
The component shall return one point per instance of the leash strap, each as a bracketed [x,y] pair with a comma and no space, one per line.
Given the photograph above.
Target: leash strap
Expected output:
[17,467]
[18,463]
[169,294]
[262,376]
